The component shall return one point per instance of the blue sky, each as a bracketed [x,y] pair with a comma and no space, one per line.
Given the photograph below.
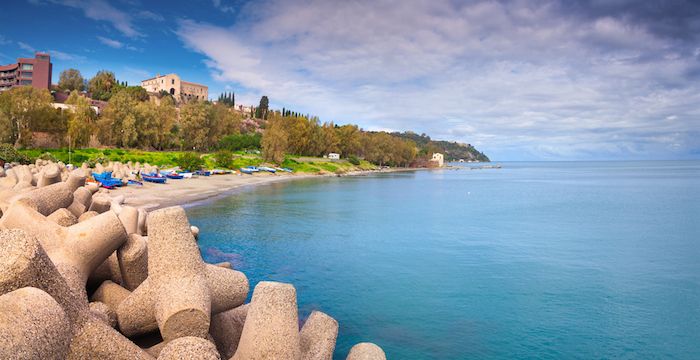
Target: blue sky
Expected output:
[521,80]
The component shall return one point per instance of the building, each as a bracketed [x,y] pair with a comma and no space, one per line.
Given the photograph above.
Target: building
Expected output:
[439,159]
[34,72]
[334,156]
[181,90]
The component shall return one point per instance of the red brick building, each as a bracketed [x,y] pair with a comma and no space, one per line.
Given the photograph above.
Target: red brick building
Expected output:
[35,72]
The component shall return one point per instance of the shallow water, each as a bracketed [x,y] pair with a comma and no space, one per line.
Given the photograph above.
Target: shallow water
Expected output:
[534,260]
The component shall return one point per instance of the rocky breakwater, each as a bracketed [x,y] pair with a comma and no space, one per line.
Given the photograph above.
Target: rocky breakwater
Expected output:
[84,277]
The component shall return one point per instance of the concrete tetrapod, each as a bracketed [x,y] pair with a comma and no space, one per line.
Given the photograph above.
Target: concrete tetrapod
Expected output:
[176,290]
[32,326]
[25,263]
[228,289]
[226,328]
[133,261]
[191,348]
[318,336]
[271,329]
[56,196]
[366,351]
[50,174]
[110,294]
[76,250]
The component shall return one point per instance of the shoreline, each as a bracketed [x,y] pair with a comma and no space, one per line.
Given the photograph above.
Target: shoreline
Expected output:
[198,191]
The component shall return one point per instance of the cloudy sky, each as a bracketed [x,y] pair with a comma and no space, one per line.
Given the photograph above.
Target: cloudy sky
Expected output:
[521,80]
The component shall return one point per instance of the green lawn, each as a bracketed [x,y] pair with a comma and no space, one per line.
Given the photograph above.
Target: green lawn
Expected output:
[169,158]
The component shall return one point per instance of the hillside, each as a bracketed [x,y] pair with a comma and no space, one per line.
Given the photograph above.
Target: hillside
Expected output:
[452,150]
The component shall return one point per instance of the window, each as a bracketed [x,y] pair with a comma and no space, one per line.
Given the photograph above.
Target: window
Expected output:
[27,67]
[172,81]
[27,75]
[25,82]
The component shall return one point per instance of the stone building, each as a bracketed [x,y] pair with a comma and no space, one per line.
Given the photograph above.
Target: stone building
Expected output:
[181,90]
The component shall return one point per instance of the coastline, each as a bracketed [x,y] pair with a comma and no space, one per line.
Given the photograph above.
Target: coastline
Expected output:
[191,192]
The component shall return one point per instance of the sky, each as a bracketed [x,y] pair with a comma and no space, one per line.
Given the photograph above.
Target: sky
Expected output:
[520,80]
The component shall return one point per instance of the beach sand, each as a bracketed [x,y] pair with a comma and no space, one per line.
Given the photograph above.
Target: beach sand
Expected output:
[180,192]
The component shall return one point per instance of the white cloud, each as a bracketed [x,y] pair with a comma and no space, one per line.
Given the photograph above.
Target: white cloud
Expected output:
[518,80]
[60,55]
[116,44]
[4,40]
[26,47]
[101,10]
[149,15]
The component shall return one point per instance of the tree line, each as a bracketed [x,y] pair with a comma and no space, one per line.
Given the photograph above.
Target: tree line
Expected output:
[307,136]
[134,119]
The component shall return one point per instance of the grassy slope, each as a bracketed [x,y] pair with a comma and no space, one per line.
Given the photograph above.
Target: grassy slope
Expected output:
[168,158]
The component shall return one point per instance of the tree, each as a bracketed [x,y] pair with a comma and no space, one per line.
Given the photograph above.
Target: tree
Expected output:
[81,120]
[261,112]
[274,142]
[23,109]
[194,125]
[117,123]
[102,84]
[70,80]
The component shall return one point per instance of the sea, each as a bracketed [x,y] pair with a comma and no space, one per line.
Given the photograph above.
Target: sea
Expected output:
[545,260]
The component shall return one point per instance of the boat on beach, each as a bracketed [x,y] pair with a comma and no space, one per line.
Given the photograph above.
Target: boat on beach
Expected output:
[154,179]
[268,169]
[250,170]
[175,176]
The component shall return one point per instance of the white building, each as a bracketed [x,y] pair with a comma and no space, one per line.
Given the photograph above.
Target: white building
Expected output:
[439,159]
[334,156]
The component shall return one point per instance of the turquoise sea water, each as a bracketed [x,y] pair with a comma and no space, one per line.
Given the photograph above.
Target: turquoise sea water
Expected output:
[534,260]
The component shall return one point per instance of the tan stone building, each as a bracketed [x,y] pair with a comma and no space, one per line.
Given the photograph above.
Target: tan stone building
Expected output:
[181,90]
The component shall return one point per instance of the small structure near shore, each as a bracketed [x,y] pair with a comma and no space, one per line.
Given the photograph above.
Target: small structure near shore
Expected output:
[438,159]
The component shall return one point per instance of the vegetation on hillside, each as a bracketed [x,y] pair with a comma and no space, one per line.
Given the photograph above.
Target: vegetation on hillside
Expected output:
[453,151]
[135,119]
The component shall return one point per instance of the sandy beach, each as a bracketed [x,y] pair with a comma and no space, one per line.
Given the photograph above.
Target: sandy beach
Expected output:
[180,192]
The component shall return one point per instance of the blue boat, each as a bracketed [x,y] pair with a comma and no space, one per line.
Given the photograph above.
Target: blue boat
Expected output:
[154,179]
[203,173]
[106,180]
[174,176]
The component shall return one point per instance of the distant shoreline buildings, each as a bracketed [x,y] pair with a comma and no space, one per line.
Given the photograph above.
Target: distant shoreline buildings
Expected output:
[181,90]
[34,72]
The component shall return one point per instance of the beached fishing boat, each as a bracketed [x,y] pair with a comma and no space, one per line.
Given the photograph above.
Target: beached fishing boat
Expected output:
[106,180]
[268,169]
[203,173]
[186,175]
[250,170]
[175,176]
[154,179]
[284,169]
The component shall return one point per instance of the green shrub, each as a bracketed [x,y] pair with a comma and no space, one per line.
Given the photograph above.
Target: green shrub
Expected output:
[190,161]
[353,160]
[99,158]
[48,156]
[224,159]
[238,142]
[9,154]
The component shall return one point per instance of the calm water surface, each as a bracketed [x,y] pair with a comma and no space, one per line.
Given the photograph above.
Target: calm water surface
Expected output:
[534,260]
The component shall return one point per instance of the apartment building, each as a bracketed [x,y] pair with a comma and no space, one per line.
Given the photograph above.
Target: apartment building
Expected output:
[34,72]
